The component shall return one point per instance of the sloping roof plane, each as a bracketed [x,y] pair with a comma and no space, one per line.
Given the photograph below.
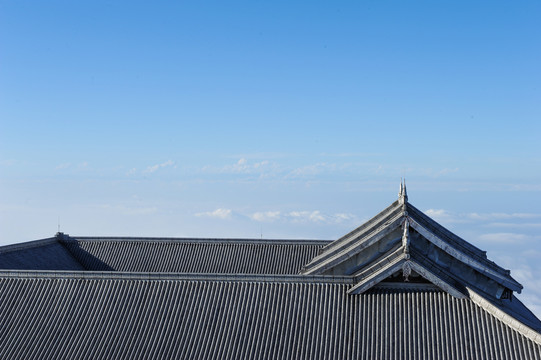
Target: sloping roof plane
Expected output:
[148,317]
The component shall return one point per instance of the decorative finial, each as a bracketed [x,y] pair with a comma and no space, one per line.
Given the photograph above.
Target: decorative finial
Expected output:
[403,194]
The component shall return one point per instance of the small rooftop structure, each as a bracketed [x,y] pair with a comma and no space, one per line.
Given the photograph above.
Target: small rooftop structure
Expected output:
[400,286]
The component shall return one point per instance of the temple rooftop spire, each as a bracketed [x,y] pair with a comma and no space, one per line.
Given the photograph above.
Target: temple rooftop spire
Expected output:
[402,193]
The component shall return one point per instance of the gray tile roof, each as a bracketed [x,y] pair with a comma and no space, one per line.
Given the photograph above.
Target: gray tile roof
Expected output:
[402,236]
[130,316]
[221,256]
[224,256]
[398,287]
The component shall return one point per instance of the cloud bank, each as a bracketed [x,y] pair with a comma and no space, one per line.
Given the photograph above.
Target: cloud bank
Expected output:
[218,214]
[154,168]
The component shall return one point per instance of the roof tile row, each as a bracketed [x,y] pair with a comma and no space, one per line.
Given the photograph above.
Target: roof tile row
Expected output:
[138,319]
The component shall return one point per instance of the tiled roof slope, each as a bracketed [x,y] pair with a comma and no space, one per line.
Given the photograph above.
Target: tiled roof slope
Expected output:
[46,254]
[182,255]
[223,256]
[104,316]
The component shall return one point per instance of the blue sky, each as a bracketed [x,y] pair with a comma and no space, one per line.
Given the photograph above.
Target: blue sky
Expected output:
[242,119]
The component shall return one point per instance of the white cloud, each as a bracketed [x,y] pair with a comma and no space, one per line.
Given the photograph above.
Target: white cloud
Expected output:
[304,216]
[260,164]
[218,213]
[436,212]
[447,217]
[343,217]
[154,168]
[523,187]
[502,216]
[242,166]
[314,169]
[444,216]
[63,166]
[317,216]
[129,210]
[266,216]
[314,216]
[514,225]
[504,238]
[67,165]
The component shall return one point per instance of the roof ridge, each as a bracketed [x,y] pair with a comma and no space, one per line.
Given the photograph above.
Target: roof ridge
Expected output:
[195,240]
[446,232]
[368,224]
[117,275]
[462,245]
[334,255]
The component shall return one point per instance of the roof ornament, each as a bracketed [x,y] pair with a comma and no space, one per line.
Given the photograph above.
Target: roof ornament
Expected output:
[406,271]
[406,239]
[402,193]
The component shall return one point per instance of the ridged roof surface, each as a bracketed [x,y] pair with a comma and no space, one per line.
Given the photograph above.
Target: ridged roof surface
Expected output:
[193,255]
[58,315]
[176,255]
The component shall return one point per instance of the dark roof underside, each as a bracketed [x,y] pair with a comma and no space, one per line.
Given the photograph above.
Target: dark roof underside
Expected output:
[65,316]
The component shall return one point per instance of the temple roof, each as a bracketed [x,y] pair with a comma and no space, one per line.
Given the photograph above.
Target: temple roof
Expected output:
[169,255]
[402,238]
[400,286]
[142,316]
